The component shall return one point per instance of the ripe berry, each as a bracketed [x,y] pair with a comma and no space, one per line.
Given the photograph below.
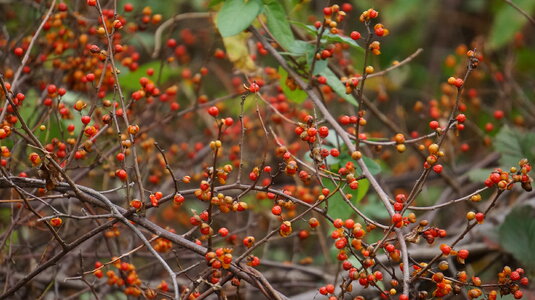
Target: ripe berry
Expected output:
[480,217]
[355,35]
[121,174]
[213,111]
[276,210]
[498,115]
[461,118]
[92,2]
[128,7]
[495,177]
[86,120]
[56,222]
[489,127]
[463,254]
[397,218]
[313,222]
[254,88]
[335,152]
[515,275]
[437,168]
[90,77]
[445,249]
[223,231]
[433,125]
[323,131]
[18,51]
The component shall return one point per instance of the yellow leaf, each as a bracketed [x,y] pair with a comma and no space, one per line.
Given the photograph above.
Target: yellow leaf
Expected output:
[238,53]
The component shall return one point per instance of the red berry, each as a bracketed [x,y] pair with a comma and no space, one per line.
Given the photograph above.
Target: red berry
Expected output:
[18,51]
[437,168]
[223,231]
[463,254]
[515,275]
[92,2]
[433,125]
[355,35]
[397,218]
[213,111]
[495,177]
[121,174]
[90,77]
[346,7]
[254,88]
[445,249]
[349,223]
[498,115]
[128,7]
[51,89]
[480,217]
[461,118]
[276,210]
[335,152]
[86,120]
[327,11]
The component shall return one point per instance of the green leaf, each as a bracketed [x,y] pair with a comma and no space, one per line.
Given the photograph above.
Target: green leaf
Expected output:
[334,82]
[338,208]
[236,15]
[278,24]
[507,22]
[517,235]
[373,166]
[479,175]
[514,144]
[364,186]
[297,95]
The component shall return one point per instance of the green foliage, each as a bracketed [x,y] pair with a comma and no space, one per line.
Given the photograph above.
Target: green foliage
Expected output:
[338,208]
[297,95]
[278,24]
[514,144]
[236,15]
[338,87]
[517,235]
[507,22]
